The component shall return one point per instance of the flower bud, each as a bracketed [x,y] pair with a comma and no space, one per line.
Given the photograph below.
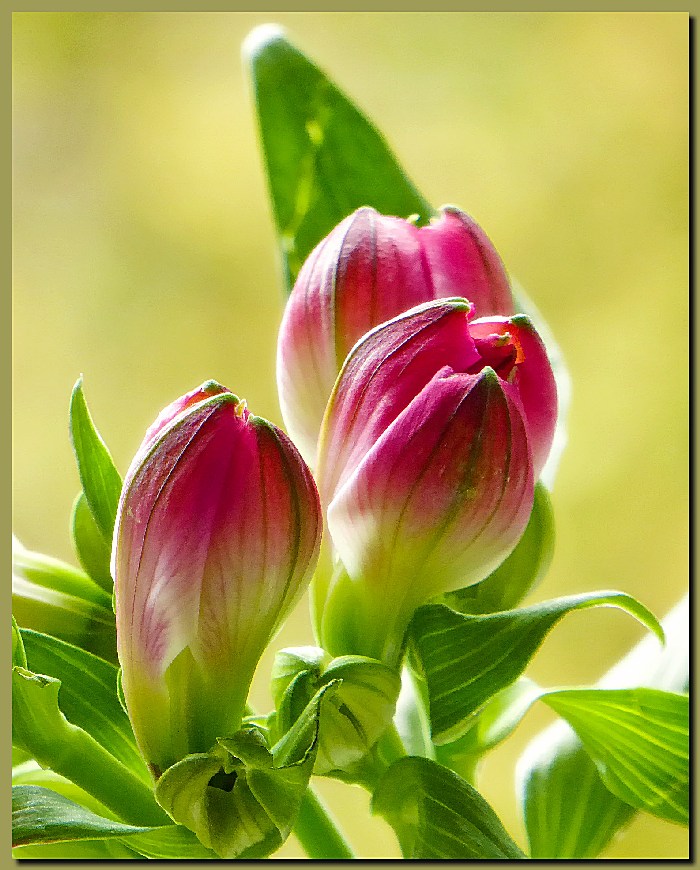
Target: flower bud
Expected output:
[368,270]
[430,445]
[217,535]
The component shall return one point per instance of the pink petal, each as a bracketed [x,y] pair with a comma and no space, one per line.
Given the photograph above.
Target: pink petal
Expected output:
[382,375]
[439,501]
[532,377]
[464,262]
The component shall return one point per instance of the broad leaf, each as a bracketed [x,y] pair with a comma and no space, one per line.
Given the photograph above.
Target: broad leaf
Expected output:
[437,814]
[41,816]
[569,813]
[639,739]
[88,695]
[50,573]
[98,475]
[31,773]
[496,720]
[521,572]
[466,659]
[91,548]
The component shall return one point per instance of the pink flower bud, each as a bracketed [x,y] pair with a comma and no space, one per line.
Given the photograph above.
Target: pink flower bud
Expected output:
[217,535]
[432,439]
[369,269]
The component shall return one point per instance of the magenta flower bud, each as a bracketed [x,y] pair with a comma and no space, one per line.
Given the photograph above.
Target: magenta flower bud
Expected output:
[217,535]
[434,434]
[368,270]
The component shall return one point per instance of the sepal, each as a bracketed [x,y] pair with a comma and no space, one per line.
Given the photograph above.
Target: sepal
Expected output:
[242,798]
[357,713]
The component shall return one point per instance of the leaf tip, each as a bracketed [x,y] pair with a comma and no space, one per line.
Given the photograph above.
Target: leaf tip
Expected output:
[259,38]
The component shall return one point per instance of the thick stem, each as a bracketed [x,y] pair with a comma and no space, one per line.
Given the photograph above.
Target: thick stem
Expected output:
[39,727]
[317,831]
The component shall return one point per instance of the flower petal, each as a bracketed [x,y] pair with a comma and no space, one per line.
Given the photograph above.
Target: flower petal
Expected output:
[533,377]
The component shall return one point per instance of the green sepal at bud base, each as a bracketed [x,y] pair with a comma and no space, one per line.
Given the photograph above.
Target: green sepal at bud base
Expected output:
[520,573]
[242,798]
[355,716]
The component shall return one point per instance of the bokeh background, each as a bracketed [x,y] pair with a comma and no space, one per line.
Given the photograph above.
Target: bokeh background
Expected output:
[144,257]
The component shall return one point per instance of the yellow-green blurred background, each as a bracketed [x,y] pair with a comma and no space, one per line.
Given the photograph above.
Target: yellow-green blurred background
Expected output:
[144,257]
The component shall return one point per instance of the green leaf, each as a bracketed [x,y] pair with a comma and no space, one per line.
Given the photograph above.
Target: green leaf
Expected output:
[521,572]
[88,695]
[323,158]
[496,721]
[98,475]
[91,548]
[49,573]
[569,813]
[19,657]
[465,659]
[76,850]
[436,814]
[638,739]
[54,598]
[242,798]
[41,816]
[40,728]
[30,773]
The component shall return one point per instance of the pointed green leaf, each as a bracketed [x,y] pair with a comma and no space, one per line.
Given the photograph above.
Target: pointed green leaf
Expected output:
[41,816]
[323,158]
[639,740]
[568,811]
[466,659]
[53,597]
[98,475]
[19,657]
[88,695]
[521,572]
[31,773]
[50,573]
[91,548]
[437,814]
[496,721]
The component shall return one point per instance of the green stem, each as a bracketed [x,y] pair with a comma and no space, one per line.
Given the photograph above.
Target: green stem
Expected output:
[317,831]
[415,721]
[39,727]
